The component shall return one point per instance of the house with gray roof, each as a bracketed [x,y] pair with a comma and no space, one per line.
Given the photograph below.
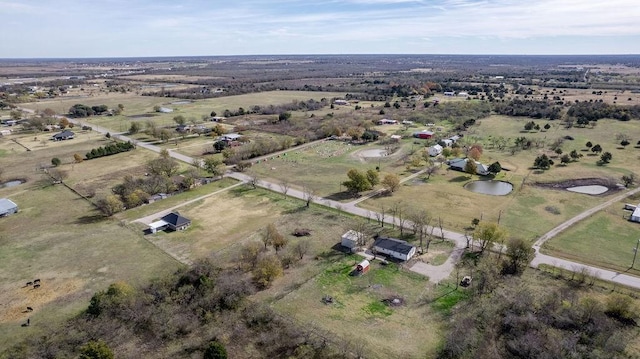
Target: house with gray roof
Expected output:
[395,248]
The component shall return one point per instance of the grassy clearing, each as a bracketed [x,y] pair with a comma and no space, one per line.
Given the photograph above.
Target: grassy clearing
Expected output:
[358,312]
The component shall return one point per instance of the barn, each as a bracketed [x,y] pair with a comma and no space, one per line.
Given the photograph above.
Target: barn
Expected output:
[424,134]
[7,207]
[395,248]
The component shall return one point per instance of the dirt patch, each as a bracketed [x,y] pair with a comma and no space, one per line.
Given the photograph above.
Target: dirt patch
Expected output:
[17,300]
[610,183]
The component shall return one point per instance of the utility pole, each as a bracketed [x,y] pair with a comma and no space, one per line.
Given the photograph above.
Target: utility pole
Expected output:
[635,253]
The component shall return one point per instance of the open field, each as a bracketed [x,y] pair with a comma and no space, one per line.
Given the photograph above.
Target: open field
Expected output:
[58,238]
[135,105]
[324,166]
[605,239]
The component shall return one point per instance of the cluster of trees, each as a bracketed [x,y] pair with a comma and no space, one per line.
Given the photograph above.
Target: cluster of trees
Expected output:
[529,108]
[586,112]
[201,311]
[363,181]
[110,149]
[510,317]
[80,110]
[134,191]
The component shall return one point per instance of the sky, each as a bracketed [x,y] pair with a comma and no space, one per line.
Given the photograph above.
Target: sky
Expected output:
[140,28]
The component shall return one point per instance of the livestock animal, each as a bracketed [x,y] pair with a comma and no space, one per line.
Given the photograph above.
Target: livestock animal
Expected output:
[36,286]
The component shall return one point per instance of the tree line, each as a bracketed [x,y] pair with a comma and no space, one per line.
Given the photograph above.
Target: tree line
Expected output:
[110,149]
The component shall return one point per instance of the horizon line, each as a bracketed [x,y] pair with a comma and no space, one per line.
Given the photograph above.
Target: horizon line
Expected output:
[327,54]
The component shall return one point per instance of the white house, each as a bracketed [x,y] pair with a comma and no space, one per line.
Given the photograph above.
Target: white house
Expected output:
[435,150]
[449,93]
[341,102]
[7,207]
[351,239]
[394,248]
[635,216]
[229,137]
[386,121]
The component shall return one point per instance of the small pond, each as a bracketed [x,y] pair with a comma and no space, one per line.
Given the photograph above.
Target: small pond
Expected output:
[183,102]
[12,183]
[593,189]
[495,188]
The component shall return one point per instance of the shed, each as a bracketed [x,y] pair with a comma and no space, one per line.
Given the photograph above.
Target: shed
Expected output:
[158,226]
[7,207]
[350,239]
[395,248]
[434,150]
[362,267]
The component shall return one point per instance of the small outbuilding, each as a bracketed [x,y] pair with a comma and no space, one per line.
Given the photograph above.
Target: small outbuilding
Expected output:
[351,239]
[7,207]
[395,248]
[363,267]
[435,150]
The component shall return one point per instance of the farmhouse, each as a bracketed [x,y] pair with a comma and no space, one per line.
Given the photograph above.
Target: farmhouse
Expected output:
[395,248]
[7,207]
[424,134]
[172,221]
[64,135]
[459,164]
[435,150]
[230,137]
[449,93]
[350,239]
[386,121]
[165,110]
[341,102]
[5,132]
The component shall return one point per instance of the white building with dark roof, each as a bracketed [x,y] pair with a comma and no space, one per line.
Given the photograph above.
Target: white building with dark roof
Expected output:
[395,248]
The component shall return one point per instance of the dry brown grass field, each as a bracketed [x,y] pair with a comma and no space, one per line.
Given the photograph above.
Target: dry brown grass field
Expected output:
[59,238]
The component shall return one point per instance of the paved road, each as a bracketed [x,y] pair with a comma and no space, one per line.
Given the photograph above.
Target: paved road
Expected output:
[458,238]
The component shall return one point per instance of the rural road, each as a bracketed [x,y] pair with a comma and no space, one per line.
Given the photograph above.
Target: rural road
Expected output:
[458,238]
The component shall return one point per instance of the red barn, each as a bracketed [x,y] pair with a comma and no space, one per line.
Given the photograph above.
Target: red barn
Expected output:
[425,135]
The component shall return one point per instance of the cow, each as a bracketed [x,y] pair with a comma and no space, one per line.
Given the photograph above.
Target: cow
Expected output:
[36,286]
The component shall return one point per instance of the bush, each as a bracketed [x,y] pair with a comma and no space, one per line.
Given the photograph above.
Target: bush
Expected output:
[215,350]
[56,161]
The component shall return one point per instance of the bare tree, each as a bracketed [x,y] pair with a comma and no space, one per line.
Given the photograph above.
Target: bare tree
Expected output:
[309,195]
[284,187]
[399,211]
[360,227]
[301,248]
[253,180]
[441,230]
[420,220]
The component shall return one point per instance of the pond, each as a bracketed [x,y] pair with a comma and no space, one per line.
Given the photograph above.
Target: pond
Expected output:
[12,183]
[494,188]
[183,102]
[593,189]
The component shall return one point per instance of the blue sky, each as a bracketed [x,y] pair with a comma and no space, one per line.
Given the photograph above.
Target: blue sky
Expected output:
[121,28]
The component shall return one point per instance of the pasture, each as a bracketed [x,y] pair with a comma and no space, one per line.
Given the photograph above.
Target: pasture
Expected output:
[529,210]
[323,166]
[140,108]
[59,238]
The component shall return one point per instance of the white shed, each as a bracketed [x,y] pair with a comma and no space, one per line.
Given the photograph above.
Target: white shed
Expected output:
[351,239]
[7,207]
[435,150]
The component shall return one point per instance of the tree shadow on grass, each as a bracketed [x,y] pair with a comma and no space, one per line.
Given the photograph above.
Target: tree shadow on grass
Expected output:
[90,219]
[459,179]
[341,196]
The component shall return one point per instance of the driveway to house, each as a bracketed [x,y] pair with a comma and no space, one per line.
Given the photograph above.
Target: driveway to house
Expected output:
[458,238]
